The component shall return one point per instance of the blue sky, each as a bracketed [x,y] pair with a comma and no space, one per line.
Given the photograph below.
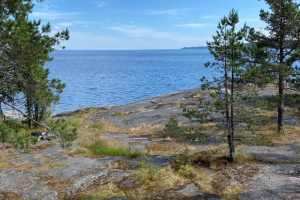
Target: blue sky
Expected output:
[142,24]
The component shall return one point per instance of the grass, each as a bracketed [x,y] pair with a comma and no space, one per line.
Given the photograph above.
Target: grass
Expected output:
[232,192]
[119,114]
[157,178]
[108,191]
[3,162]
[100,147]
[197,175]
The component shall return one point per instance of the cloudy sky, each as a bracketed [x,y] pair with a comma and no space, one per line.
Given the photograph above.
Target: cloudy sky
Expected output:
[142,24]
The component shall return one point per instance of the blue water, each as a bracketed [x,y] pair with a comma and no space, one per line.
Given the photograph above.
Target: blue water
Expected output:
[101,78]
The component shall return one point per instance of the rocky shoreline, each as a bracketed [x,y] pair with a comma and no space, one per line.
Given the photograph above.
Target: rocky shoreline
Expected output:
[51,173]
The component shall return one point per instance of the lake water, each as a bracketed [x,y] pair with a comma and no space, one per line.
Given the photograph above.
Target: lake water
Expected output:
[101,78]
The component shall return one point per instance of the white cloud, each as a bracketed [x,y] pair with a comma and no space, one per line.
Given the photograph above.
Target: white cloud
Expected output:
[56,28]
[65,24]
[101,4]
[209,17]
[165,12]
[79,40]
[52,15]
[75,23]
[141,32]
[195,25]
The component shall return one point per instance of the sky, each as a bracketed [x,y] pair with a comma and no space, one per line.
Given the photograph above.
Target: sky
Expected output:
[142,24]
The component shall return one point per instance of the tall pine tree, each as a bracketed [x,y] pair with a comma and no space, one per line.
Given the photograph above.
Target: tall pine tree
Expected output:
[278,50]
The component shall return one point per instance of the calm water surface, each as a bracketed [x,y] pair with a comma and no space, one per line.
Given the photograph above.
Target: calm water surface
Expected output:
[101,78]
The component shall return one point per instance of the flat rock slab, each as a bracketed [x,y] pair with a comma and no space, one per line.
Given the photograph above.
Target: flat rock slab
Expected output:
[75,173]
[154,111]
[289,119]
[50,166]
[274,182]
[280,152]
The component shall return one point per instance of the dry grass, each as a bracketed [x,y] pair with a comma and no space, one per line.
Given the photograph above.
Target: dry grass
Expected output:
[272,85]
[198,175]
[52,163]
[103,192]
[162,178]
[135,131]
[108,191]
[3,161]
[198,96]
[10,196]
[232,192]
[55,184]
[169,147]
[119,114]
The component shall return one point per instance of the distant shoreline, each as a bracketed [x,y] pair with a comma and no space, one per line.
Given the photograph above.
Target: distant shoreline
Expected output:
[200,47]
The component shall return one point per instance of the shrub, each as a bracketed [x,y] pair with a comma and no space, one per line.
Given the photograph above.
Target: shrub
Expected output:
[171,128]
[65,134]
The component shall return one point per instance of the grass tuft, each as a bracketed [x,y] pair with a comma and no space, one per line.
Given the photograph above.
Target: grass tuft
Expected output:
[100,147]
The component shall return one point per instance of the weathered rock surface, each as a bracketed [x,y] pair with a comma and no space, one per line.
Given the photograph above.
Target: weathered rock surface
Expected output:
[280,181]
[189,190]
[275,181]
[153,111]
[50,174]
[49,166]
[280,152]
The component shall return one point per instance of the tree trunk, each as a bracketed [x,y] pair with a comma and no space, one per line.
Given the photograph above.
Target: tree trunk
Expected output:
[280,106]
[226,87]
[29,113]
[280,81]
[2,116]
[231,135]
[36,115]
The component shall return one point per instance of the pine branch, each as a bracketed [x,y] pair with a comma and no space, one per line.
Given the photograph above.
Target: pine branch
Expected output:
[15,108]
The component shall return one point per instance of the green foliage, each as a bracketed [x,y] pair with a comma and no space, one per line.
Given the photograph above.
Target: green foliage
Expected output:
[14,137]
[147,168]
[100,147]
[65,133]
[24,49]
[171,128]
[277,52]
[231,61]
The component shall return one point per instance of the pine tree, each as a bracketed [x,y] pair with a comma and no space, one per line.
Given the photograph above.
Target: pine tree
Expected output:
[278,50]
[24,48]
[231,60]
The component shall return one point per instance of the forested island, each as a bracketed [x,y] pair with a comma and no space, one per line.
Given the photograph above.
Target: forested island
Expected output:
[200,47]
[235,137]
